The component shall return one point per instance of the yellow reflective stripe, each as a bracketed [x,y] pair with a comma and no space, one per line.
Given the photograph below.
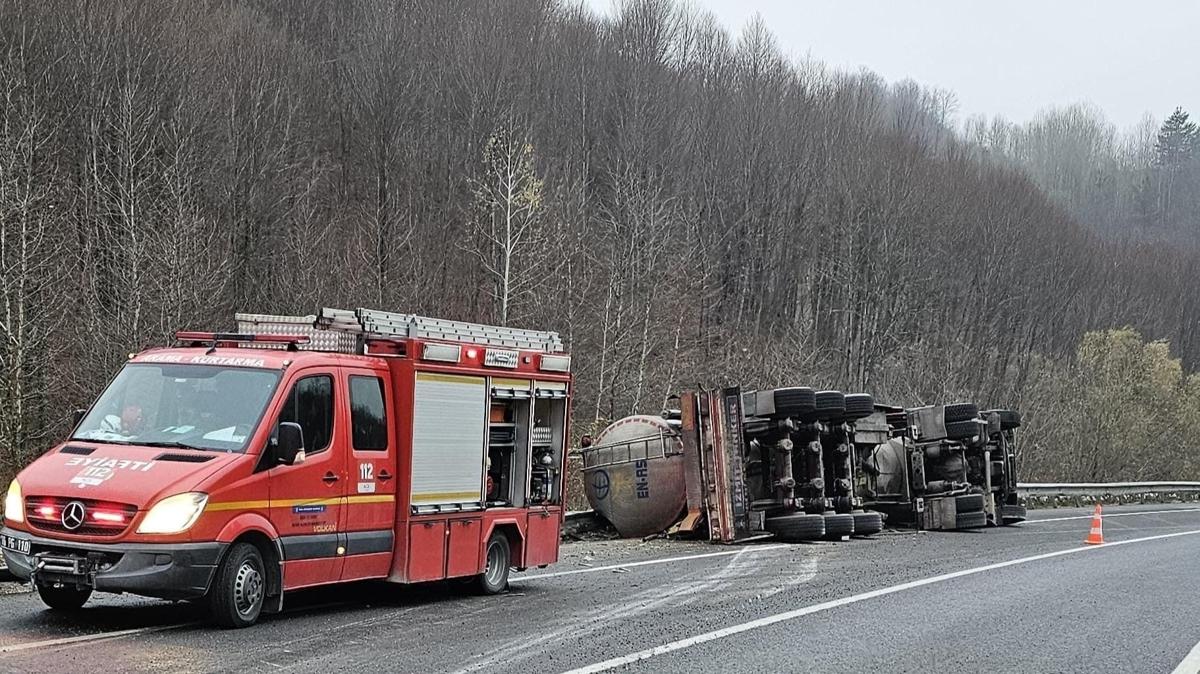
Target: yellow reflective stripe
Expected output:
[447,496]
[237,505]
[288,503]
[449,378]
[371,498]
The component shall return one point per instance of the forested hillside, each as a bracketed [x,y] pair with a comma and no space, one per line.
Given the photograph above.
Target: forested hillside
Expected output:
[684,205]
[1140,184]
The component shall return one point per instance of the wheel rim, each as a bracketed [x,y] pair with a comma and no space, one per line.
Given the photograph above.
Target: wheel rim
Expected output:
[247,588]
[495,566]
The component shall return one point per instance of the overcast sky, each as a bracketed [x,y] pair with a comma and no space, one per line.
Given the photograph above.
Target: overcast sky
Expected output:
[1009,58]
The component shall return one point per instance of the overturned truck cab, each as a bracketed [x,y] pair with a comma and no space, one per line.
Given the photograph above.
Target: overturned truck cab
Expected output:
[939,467]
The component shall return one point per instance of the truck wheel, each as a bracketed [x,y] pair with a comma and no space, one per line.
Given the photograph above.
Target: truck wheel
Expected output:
[796,527]
[1009,419]
[1012,514]
[236,597]
[962,430]
[830,405]
[838,526]
[867,523]
[968,503]
[959,412]
[859,405]
[795,401]
[976,520]
[63,597]
[494,578]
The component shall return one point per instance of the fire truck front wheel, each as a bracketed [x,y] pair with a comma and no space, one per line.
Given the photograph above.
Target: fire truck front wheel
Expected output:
[63,597]
[494,578]
[236,596]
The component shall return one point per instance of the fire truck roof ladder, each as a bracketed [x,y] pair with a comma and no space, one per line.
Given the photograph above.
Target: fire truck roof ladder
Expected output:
[389,325]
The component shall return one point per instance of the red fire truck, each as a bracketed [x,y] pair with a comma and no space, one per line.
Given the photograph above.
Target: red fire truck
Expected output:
[303,451]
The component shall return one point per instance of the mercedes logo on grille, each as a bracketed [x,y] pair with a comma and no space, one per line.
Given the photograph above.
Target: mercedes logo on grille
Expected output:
[73,515]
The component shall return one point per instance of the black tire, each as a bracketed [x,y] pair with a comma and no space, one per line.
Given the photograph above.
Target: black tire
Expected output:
[962,430]
[867,523]
[1009,419]
[1012,514]
[859,405]
[960,412]
[838,526]
[63,597]
[238,590]
[976,520]
[498,559]
[830,405]
[796,527]
[795,401]
[968,503]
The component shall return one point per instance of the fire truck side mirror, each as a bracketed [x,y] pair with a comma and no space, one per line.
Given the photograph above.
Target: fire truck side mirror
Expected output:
[77,417]
[289,443]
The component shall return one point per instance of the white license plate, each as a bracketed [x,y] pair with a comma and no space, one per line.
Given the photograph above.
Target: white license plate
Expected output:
[15,544]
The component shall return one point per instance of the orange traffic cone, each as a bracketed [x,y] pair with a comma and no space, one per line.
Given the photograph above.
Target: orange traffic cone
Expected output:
[1096,535]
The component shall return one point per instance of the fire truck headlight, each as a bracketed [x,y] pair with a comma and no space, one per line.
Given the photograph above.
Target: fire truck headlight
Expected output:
[174,514]
[14,504]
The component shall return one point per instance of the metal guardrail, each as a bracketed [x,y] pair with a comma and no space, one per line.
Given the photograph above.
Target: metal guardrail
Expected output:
[1095,488]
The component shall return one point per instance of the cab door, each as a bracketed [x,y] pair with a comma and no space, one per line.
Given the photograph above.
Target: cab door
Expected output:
[371,490]
[306,499]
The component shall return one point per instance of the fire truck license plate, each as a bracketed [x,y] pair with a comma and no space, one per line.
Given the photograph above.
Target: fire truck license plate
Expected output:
[15,544]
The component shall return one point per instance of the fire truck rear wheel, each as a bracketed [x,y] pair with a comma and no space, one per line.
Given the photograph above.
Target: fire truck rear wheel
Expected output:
[494,578]
[63,597]
[236,597]
[867,523]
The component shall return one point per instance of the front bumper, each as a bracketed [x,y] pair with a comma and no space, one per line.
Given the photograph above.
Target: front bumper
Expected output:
[164,570]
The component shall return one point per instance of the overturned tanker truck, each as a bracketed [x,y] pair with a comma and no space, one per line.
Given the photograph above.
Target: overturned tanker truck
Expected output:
[799,465]
[734,466]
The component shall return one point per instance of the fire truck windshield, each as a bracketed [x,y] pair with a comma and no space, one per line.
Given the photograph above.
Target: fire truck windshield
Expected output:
[185,406]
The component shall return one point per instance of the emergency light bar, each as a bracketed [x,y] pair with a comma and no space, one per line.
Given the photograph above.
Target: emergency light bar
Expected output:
[214,337]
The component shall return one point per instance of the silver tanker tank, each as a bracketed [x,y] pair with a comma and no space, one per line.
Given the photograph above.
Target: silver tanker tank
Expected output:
[633,475]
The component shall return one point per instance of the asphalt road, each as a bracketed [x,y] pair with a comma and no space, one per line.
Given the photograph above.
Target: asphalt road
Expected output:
[1026,598]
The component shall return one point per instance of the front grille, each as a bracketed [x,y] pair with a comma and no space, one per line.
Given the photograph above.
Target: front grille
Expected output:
[101,518]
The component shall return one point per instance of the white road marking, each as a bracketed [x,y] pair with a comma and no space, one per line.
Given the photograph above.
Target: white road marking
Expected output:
[102,636]
[1107,515]
[664,560]
[1191,662]
[844,601]
[521,649]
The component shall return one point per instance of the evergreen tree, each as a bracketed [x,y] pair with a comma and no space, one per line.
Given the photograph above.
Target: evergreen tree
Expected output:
[1178,140]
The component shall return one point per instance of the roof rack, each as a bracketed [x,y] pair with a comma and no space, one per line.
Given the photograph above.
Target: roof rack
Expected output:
[342,330]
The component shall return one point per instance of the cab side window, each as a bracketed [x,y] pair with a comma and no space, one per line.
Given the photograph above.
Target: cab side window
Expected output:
[368,419]
[310,404]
